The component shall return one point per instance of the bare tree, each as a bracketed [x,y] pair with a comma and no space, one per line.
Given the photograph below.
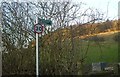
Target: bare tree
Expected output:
[17,29]
[58,54]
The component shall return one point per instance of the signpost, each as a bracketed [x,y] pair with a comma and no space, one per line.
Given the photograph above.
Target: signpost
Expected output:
[38,29]
[45,22]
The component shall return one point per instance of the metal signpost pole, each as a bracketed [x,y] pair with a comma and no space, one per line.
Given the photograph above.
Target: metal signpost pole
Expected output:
[1,44]
[0,52]
[37,58]
[38,28]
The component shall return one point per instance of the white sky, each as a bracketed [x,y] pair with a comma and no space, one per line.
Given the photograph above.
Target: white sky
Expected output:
[97,4]
[102,6]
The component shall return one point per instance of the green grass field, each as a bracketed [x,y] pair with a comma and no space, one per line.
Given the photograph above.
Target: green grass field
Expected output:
[108,52]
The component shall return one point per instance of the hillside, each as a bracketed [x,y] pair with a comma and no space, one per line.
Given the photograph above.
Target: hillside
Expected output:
[84,31]
[107,35]
[73,38]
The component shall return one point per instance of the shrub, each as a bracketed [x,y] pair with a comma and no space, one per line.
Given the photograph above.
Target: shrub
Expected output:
[96,38]
[117,37]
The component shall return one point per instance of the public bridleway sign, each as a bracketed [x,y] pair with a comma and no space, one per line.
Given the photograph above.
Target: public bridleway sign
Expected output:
[45,22]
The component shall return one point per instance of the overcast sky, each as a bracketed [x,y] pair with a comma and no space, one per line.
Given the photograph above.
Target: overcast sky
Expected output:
[101,5]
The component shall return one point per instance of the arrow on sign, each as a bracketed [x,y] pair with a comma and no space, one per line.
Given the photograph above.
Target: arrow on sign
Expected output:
[45,22]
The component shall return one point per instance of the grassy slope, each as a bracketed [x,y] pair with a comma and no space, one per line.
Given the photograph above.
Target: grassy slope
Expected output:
[109,50]
[109,53]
